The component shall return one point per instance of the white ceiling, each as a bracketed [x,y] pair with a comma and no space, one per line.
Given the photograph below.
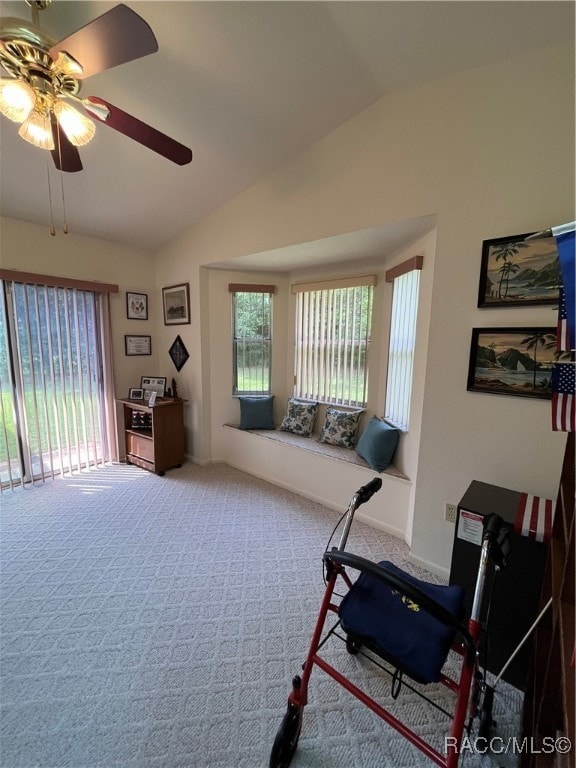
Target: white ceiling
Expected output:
[247,86]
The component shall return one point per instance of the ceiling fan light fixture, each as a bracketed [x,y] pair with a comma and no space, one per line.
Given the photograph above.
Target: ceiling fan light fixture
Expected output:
[78,128]
[17,99]
[98,110]
[37,130]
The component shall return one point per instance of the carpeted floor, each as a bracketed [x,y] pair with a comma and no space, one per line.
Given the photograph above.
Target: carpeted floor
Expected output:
[155,622]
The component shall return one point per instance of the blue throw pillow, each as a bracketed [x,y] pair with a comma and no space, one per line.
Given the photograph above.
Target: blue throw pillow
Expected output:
[377,444]
[256,412]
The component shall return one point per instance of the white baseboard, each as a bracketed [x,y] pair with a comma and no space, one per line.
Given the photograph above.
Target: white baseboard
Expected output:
[444,573]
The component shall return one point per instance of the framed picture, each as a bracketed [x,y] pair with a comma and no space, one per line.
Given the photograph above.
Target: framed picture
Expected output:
[138,345]
[136,306]
[178,353]
[176,299]
[516,272]
[512,361]
[153,384]
[135,393]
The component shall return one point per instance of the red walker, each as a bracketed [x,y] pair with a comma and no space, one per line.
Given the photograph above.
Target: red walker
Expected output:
[408,624]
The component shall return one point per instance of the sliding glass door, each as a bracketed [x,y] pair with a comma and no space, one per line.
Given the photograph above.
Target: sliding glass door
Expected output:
[53,407]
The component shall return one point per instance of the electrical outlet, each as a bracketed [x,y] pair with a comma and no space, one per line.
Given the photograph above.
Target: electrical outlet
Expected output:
[450,514]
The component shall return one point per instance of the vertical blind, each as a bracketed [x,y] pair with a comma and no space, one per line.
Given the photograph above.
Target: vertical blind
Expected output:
[402,344]
[56,381]
[333,321]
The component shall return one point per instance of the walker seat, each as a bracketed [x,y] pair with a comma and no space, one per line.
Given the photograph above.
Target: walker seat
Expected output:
[375,614]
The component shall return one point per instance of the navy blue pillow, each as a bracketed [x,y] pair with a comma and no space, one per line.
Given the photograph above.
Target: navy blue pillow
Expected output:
[377,444]
[256,412]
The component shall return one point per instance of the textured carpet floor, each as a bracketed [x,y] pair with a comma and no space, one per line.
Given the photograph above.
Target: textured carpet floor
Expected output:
[157,622]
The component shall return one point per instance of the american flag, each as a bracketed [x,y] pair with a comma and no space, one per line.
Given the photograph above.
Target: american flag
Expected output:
[563,400]
[563,332]
[566,243]
[534,517]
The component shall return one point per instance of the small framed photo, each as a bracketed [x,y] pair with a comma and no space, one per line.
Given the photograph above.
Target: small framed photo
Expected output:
[152,399]
[176,301]
[138,345]
[153,384]
[512,361]
[135,393]
[516,272]
[136,306]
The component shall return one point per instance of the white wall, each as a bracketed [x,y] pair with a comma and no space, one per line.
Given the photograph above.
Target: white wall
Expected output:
[490,152]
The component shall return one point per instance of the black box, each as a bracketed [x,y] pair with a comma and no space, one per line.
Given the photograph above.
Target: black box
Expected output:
[513,595]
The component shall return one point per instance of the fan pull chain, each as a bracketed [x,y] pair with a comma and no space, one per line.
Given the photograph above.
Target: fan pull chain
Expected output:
[52,228]
[65,227]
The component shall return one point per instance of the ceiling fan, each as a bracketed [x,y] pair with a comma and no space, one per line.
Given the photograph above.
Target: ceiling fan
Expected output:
[45,78]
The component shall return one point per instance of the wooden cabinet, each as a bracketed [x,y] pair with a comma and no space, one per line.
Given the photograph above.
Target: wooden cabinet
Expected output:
[549,704]
[154,437]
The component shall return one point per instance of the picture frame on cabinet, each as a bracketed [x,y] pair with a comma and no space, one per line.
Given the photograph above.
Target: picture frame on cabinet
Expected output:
[153,384]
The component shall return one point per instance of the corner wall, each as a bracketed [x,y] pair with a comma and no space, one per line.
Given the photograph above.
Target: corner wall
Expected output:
[491,152]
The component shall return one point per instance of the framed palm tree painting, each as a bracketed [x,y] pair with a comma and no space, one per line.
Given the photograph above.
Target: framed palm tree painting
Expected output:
[516,272]
[512,361]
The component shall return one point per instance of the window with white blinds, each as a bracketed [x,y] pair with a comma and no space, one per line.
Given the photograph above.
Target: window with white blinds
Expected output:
[56,381]
[333,321]
[406,288]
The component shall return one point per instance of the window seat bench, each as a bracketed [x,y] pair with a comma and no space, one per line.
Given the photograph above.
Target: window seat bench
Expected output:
[311,443]
[323,473]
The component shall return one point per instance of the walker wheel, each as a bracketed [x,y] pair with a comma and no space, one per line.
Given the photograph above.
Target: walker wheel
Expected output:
[486,721]
[352,646]
[287,737]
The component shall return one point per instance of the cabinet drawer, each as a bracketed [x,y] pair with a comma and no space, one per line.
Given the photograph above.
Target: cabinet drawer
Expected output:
[139,445]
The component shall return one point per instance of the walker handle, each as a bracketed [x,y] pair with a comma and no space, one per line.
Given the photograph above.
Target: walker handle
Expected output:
[492,524]
[362,495]
[365,493]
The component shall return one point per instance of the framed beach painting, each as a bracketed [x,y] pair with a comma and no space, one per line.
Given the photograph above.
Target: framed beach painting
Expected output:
[516,272]
[512,361]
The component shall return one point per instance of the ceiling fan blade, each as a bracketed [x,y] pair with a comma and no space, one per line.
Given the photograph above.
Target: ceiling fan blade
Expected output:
[65,155]
[115,37]
[141,132]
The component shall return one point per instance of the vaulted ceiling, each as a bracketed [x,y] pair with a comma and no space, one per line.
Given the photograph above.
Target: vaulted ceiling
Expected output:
[247,86]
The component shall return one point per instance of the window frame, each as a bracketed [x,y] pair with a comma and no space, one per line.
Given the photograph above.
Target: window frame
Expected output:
[400,376]
[235,289]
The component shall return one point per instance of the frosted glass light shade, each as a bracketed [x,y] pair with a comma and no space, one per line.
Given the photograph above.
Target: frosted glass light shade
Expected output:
[16,99]
[78,128]
[37,130]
